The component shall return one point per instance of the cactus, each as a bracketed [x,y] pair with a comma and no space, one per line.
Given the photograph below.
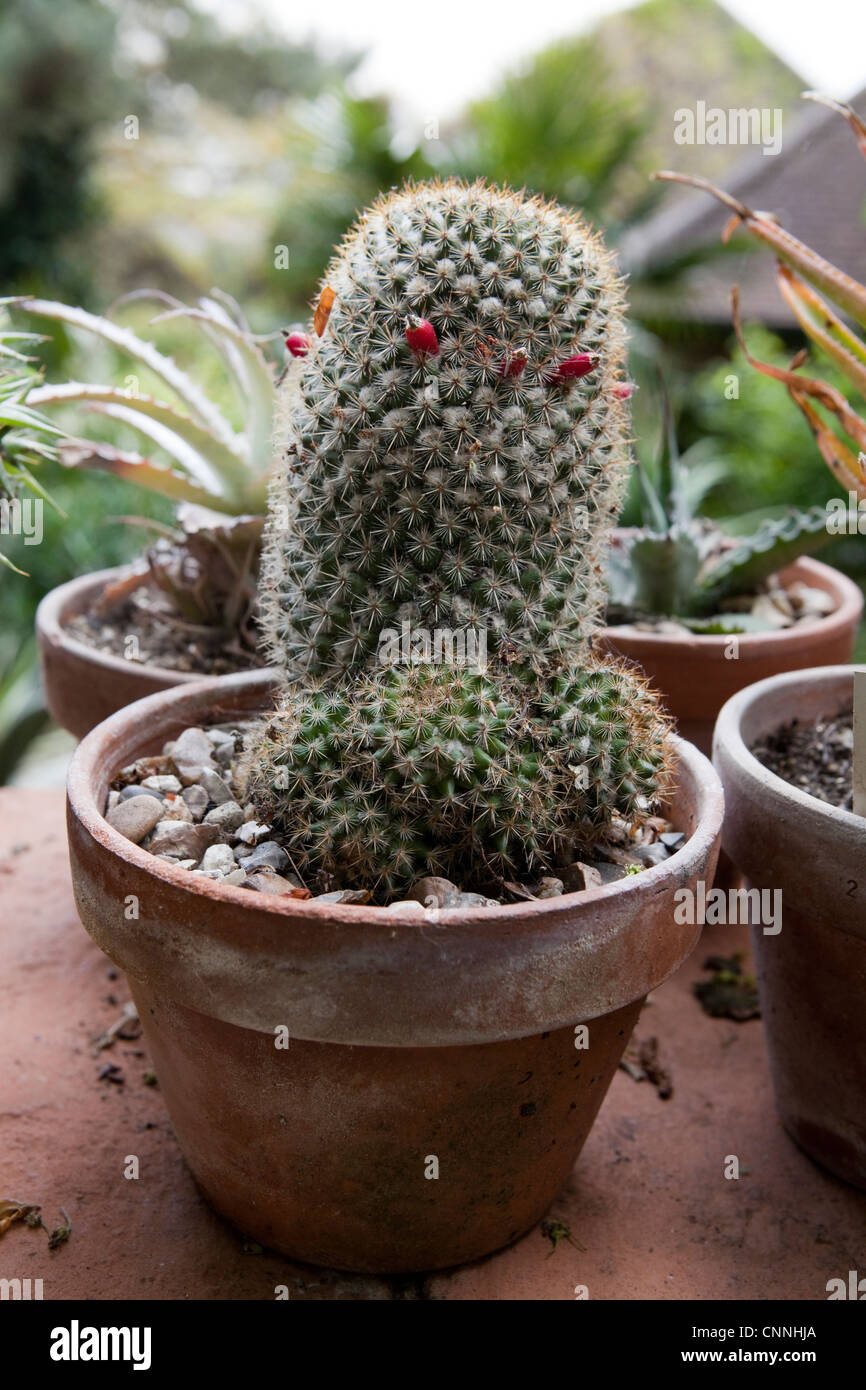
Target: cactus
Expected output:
[446,486]
[456,448]
[680,565]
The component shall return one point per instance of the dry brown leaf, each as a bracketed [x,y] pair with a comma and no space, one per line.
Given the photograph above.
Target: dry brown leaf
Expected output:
[323,310]
[12,1211]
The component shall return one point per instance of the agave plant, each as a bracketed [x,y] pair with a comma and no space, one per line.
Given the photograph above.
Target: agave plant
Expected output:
[680,565]
[818,293]
[216,476]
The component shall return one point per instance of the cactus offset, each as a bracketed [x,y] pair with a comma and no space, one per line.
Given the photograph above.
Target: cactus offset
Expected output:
[456,450]
[442,769]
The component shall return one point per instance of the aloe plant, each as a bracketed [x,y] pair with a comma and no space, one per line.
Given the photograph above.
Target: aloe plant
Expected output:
[681,565]
[819,294]
[210,464]
[26,435]
[215,475]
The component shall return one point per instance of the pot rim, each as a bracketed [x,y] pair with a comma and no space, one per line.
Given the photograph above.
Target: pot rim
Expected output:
[849,605]
[728,736]
[87,758]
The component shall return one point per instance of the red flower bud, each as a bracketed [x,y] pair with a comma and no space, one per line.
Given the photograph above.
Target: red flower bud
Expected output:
[515,363]
[298,344]
[573,368]
[421,337]
[624,389]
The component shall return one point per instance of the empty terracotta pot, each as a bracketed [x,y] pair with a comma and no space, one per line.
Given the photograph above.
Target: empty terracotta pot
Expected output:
[434,1094]
[812,974]
[697,674]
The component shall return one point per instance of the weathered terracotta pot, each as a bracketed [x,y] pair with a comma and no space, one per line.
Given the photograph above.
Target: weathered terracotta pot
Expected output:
[697,674]
[82,685]
[812,974]
[415,1034]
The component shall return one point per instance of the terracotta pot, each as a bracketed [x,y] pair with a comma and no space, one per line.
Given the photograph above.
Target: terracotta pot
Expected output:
[696,674]
[812,974]
[415,1034]
[83,686]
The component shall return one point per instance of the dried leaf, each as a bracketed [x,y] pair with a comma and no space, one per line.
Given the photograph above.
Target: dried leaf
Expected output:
[323,310]
[12,1211]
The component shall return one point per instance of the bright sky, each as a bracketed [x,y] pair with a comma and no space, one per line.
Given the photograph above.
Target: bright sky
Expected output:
[431,58]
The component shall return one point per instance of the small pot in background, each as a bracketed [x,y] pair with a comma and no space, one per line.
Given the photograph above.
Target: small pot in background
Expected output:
[812,974]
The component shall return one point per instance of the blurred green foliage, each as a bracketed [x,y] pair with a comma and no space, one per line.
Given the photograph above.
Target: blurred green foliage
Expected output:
[562,126]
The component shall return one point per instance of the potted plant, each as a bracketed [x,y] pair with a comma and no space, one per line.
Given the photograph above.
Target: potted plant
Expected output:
[697,672]
[453,447]
[784,751]
[705,613]
[187,608]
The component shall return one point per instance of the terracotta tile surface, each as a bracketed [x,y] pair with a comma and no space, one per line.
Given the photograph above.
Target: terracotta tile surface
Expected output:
[648,1200]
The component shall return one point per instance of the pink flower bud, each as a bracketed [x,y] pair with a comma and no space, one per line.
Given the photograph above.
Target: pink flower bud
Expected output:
[298,344]
[514,364]
[421,337]
[624,389]
[573,368]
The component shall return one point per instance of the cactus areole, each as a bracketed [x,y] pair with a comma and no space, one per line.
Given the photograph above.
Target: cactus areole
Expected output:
[454,450]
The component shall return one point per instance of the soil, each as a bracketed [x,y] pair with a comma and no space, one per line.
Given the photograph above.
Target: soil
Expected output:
[157,636]
[816,757]
[772,607]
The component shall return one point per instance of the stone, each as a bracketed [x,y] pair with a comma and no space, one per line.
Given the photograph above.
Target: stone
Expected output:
[176,839]
[229,816]
[162,783]
[550,888]
[135,790]
[656,853]
[235,877]
[135,817]
[344,895]
[158,766]
[177,809]
[217,790]
[268,855]
[596,873]
[222,746]
[218,857]
[432,891]
[250,833]
[191,754]
[197,800]
[274,884]
[672,838]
